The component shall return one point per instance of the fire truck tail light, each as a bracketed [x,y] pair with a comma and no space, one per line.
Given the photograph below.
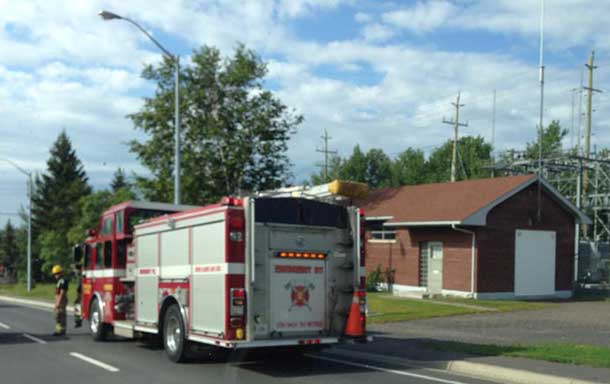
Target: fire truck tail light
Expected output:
[236,222]
[301,255]
[238,292]
[238,303]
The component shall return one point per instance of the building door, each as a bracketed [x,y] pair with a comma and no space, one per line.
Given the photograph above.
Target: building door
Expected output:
[534,263]
[435,267]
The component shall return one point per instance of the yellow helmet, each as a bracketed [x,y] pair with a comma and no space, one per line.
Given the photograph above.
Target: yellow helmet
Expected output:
[57,269]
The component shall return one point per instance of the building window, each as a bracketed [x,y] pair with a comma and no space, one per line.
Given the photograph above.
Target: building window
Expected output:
[379,233]
[383,235]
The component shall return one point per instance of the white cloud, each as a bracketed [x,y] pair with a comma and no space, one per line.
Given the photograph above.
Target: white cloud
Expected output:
[77,72]
[377,32]
[422,17]
[362,17]
[298,8]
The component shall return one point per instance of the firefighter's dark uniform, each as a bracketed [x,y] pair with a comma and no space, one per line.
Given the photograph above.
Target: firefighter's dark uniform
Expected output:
[60,309]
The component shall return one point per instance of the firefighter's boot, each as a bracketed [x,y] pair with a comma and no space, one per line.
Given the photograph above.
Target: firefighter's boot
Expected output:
[60,322]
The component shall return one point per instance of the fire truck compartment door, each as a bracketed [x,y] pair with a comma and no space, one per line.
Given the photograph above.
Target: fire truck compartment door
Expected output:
[298,292]
[147,278]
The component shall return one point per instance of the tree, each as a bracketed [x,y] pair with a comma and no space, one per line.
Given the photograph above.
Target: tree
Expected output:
[552,136]
[473,155]
[373,168]
[9,250]
[119,181]
[55,201]
[409,168]
[354,168]
[234,132]
[379,169]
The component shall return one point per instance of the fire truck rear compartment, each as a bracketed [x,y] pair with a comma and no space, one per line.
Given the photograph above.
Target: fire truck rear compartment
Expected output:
[304,271]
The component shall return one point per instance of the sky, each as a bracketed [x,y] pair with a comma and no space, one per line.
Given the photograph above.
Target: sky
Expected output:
[381,74]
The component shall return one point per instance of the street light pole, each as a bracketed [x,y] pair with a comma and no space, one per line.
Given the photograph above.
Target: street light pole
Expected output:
[106,15]
[29,256]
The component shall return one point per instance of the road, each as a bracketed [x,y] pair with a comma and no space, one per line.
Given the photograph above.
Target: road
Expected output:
[29,355]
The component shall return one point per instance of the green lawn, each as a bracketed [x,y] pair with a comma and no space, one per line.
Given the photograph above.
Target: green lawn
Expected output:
[561,353]
[500,305]
[39,291]
[384,308]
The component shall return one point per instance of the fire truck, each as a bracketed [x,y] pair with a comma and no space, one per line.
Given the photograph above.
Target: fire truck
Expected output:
[284,268]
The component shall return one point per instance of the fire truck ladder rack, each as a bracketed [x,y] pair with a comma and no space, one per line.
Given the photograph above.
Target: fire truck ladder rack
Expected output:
[335,190]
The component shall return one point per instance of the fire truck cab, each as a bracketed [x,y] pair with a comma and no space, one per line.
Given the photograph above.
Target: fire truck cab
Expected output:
[263,271]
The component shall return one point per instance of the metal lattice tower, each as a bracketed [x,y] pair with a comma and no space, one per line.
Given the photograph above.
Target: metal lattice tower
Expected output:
[565,172]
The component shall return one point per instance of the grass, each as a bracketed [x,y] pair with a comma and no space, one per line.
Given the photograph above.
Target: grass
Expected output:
[500,305]
[40,291]
[590,355]
[385,308]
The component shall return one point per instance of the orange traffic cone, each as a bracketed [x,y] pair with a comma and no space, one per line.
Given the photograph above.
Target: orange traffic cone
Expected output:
[355,319]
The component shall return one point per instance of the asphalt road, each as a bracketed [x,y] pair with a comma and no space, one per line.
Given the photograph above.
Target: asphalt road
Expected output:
[29,355]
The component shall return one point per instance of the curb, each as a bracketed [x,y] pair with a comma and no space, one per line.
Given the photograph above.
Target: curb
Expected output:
[35,303]
[466,368]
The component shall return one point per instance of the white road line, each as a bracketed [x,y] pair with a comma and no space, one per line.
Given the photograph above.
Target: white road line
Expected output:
[2,325]
[94,362]
[34,338]
[386,370]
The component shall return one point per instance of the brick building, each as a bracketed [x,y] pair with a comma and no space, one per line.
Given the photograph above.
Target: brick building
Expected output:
[476,238]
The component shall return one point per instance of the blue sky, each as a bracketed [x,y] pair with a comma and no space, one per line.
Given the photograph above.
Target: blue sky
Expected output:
[377,73]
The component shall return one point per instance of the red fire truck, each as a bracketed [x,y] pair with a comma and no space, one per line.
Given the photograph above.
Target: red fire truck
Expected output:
[262,271]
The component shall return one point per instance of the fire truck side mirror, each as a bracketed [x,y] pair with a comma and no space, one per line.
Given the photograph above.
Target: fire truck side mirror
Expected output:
[91,232]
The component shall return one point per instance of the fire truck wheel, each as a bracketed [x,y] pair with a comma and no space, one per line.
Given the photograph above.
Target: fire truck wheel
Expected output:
[173,335]
[98,329]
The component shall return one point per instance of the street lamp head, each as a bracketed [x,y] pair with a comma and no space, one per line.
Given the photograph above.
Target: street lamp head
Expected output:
[108,15]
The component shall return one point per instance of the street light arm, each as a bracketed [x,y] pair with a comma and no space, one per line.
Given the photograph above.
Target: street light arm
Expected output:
[11,162]
[173,57]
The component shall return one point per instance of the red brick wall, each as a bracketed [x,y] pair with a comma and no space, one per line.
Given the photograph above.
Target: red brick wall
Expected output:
[496,241]
[403,256]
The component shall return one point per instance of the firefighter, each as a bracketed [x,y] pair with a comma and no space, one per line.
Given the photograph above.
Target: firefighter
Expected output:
[78,320]
[61,300]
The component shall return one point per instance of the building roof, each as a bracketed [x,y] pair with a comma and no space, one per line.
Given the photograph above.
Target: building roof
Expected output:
[463,202]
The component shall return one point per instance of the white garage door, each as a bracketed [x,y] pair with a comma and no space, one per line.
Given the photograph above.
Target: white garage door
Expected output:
[534,263]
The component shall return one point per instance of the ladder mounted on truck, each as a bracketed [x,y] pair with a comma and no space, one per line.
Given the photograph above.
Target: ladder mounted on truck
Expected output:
[336,190]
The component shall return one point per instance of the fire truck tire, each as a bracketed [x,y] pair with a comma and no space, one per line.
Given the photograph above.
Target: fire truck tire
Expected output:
[98,329]
[174,342]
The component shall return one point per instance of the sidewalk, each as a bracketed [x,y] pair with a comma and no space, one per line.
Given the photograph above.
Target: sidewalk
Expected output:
[505,369]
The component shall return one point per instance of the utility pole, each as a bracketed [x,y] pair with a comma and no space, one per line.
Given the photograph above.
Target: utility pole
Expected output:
[578,144]
[541,112]
[326,152]
[456,124]
[493,136]
[573,100]
[589,88]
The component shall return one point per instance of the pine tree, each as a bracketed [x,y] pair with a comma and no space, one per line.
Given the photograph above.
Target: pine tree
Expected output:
[9,251]
[119,180]
[55,201]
